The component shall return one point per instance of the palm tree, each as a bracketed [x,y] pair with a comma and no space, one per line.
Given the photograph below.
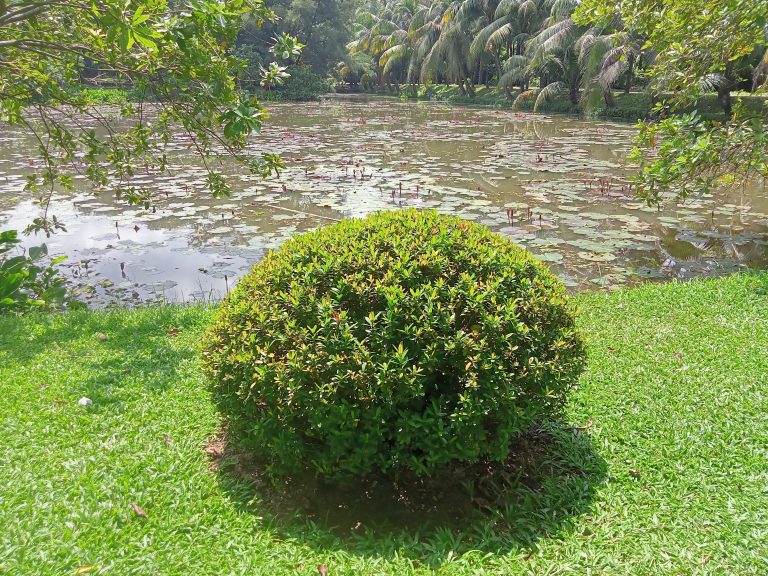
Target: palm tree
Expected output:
[479,16]
[356,68]
[464,41]
[569,58]
[381,32]
[514,23]
[607,57]
[553,56]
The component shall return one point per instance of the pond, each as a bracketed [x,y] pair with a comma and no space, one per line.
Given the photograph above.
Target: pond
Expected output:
[556,185]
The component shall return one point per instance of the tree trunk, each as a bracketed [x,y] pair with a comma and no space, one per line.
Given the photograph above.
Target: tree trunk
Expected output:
[573,92]
[470,87]
[497,58]
[630,73]
[724,96]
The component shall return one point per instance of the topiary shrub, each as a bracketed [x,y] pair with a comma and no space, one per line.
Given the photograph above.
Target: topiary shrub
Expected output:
[406,340]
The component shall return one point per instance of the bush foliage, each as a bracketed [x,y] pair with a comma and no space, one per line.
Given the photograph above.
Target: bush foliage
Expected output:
[406,340]
[29,280]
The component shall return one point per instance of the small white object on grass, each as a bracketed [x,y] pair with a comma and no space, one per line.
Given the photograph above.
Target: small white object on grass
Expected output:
[85,401]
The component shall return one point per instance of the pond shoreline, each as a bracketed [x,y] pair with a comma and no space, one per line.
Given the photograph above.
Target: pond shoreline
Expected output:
[629,107]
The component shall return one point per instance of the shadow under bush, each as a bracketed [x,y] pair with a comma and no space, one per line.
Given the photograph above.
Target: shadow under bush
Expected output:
[549,479]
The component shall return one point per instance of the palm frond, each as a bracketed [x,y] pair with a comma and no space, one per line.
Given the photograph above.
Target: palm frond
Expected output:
[416,23]
[711,82]
[610,73]
[522,98]
[507,8]
[549,91]
[516,72]
[500,35]
[592,52]
[528,10]
[480,43]
[394,56]
[562,9]
[561,37]
[553,37]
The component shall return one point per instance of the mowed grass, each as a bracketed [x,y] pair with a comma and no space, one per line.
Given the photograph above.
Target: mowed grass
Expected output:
[660,465]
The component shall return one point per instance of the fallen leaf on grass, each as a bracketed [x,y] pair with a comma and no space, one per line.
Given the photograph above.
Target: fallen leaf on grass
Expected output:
[322,570]
[85,569]
[138,510]
[56,401]
[586,426]
[634,472]
[678,357]
[167,439]
[173,331]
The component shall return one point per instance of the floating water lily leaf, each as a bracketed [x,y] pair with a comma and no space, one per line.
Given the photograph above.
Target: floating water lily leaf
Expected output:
[550,257]
[597,256]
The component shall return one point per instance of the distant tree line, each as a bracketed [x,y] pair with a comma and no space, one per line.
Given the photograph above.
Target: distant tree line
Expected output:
[532,49]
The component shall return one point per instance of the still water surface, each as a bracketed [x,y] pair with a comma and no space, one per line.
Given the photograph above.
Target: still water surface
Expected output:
[555,185]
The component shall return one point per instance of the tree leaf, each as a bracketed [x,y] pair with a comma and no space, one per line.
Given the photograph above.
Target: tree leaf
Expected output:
[36,252]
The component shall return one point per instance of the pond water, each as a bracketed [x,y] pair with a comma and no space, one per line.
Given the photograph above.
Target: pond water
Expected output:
[556,185]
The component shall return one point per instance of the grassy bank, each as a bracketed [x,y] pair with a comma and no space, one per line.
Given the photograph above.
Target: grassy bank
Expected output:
[98,96]
[632,106]
[659,467]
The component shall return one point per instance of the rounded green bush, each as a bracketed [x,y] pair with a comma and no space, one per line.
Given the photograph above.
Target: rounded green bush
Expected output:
[406,340]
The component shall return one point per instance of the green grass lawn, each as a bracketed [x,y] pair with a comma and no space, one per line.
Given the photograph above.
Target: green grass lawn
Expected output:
[660,465]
